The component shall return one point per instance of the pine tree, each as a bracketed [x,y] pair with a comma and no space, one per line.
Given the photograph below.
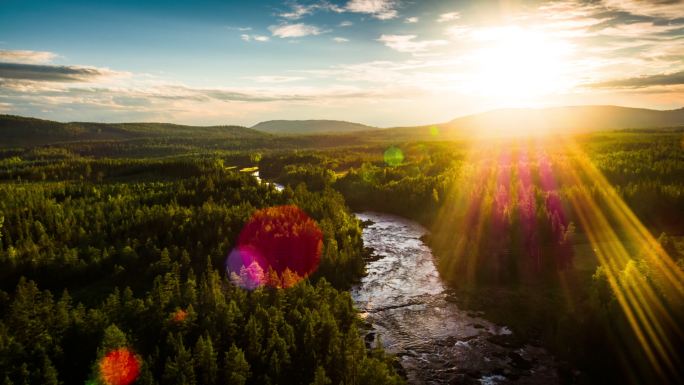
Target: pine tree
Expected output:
[253,336]
[49,372]
[320,378]
[206,360]
[113,338]
[179,369]
[235,366]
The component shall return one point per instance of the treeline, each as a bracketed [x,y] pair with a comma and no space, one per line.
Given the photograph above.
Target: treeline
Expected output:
[131,254]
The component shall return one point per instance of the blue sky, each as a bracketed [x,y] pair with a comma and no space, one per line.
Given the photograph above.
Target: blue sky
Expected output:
[381,62]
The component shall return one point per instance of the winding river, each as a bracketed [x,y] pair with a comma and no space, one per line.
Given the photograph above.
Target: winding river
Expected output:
[408,308]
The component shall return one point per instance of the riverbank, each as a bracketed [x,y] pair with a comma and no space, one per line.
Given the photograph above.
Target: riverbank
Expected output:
[414,315]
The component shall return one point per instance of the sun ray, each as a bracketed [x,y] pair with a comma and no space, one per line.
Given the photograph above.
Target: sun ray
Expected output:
[473,214]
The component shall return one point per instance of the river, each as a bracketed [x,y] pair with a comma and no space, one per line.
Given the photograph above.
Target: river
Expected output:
[412,312]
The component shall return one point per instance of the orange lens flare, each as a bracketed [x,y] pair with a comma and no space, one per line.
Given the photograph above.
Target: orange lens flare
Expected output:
[119,367]
[179,316]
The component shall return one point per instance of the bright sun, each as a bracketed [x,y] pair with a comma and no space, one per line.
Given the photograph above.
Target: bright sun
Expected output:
[511,63]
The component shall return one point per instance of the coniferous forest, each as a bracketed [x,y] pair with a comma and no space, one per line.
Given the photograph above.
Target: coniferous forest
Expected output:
[114,259]
[341,192]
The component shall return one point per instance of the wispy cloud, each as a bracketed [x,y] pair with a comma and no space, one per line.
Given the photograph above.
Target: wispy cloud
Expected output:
[274,79]
[411,20]
[379,9]
[53,73]
[28,57]
[669,9]
[669,79]
[297,10]
[259,38]
[338,39]
[294,30]
[407,43]
[639,29]
[170,102]
[449,16]
[346,23]
[241,29]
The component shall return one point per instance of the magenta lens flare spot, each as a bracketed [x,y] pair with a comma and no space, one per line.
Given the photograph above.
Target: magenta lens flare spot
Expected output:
[278,247]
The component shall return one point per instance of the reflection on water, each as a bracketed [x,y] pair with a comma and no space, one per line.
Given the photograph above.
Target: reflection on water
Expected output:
[408,307]
[277,186]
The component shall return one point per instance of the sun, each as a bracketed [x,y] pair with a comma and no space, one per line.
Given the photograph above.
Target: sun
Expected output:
[517,64]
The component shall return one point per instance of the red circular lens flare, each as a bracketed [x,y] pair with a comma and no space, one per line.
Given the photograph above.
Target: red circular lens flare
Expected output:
[119,367]
[278,247]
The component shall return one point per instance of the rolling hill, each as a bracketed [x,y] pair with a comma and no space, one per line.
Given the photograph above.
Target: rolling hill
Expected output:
[556,120]
[21,131]
[292,127]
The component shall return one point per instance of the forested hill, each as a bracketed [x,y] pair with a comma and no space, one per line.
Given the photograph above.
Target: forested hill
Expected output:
[569,119]
[23,131]
[310,126]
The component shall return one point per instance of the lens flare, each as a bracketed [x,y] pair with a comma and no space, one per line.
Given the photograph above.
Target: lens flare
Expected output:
[278,247]
[393,156]
[525,198]
[179,316]
[119,367]
[244,267]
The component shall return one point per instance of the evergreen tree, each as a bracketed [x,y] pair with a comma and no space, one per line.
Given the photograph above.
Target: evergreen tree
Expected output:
[235,366]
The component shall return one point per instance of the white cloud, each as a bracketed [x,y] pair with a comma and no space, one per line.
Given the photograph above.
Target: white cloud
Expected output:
[407,43]
[297,12]
[294,30]
[346,23]
[26,57]
[259,38]
[340,39]
[449,16]
[241,29]
[380,9]
[411,20]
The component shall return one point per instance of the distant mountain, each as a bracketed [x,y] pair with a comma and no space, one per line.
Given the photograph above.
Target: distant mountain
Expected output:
[17,131]
[22,131]
[310,127]
[571,119]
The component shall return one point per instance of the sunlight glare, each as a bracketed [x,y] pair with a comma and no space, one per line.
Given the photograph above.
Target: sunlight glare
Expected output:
[512,62]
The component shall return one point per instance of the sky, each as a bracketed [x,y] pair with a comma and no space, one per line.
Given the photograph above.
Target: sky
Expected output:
[378,62]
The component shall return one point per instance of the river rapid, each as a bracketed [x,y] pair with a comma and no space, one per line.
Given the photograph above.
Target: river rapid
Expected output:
[412,312]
